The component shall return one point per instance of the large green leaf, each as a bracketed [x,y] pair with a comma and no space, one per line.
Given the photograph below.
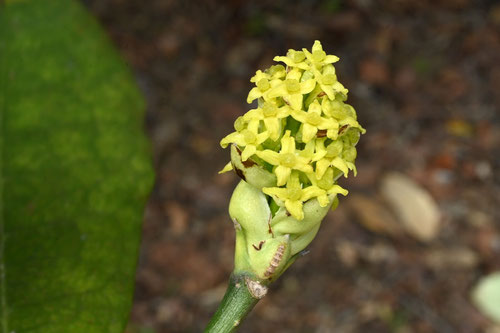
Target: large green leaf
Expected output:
[74,172]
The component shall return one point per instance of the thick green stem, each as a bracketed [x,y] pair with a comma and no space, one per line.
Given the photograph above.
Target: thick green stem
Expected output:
[236,304]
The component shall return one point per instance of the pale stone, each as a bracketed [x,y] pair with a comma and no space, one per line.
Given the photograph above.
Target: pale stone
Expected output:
[416,209]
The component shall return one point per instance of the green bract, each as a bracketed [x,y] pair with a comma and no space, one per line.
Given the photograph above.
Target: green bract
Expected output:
[289,151]
[265,244]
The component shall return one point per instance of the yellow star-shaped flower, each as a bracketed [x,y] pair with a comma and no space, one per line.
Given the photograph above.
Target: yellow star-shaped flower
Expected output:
[250,138]
[271,115]
[312,121]
[264,84]
[286,160]
[293,195]
[294,59]
[337,157]
[318,58]
[327,80]
[272,73]
[328,185]
[343,113]
[311,152]
[292,89]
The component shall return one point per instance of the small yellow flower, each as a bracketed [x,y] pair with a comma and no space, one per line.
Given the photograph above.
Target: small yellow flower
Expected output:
[286,160]
[277,71]
[294,59]
[311,152]
[263,87]
[271,115]
[318,58]
[259,75]
[293,195]
[343,113]
[292,90]
[327,184]
[327,80]
[249,138]
[337,157]
[273,73]
[312,121]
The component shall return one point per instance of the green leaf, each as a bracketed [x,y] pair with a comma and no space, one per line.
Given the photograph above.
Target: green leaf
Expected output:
[75,172]
[486,296]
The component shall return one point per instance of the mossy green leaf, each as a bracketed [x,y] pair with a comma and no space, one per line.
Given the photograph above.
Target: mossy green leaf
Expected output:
[75,172]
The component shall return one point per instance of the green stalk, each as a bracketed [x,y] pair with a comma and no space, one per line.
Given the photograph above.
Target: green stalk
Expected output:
[241,296]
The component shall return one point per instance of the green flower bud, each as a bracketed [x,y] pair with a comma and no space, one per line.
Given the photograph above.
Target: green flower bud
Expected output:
[265,245]
[334,149]
[276,70]
[301,232]
[258,251]
[349,154]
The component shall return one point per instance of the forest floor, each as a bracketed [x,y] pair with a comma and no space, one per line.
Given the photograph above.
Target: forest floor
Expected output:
[424,77]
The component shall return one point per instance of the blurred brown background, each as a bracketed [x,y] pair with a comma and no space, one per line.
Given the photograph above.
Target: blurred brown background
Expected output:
[424,77]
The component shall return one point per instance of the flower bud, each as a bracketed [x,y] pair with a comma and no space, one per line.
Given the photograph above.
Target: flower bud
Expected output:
[266,244]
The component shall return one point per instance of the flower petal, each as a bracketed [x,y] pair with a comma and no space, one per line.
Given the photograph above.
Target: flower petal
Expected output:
[302,164]
[307,86]
[227,167]
[253,114]
[299,115]
[247,152]
[330,59]
[273,127]
[289,62]
[308,132]
[283,112]
[278,91]
[295,209]
[340,164]
[295,100]
[287,144]
[278,192]
[234,137]
[269,156]
[261,137]
[330,92]
[337,86]
[317,46]
[336,189]
[328,123]
[323,200]
[253,94]
[352,166]
[308,54]
[258,76]
[315,107]
[283,174]
[311,192]
[321,167]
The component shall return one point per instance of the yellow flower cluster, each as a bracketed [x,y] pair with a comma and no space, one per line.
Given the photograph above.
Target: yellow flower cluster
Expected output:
[302,130]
